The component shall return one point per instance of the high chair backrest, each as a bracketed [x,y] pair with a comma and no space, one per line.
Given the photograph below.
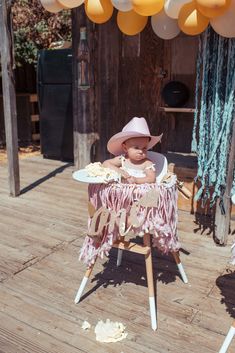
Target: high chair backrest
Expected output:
[161,164]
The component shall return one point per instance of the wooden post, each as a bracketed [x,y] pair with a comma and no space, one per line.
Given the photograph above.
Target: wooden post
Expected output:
[109,120]
[222,221]
[84,112]
[9,98]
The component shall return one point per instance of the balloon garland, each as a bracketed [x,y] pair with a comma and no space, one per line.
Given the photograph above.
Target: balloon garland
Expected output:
[98,11]
[70,4]
[164,26]
[52,6]
[122,5]
[130,22]
[224,25]
[213,8]
[168,17]
[190,20]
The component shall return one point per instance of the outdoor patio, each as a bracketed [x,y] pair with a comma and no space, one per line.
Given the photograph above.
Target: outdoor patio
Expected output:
[41,234]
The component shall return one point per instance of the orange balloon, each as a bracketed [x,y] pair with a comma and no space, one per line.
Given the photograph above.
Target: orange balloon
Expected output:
[130,22]
[190,20]
[99,11]
[212,8]
[147,7]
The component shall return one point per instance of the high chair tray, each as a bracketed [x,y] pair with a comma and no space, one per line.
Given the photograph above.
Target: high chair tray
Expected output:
[82,176]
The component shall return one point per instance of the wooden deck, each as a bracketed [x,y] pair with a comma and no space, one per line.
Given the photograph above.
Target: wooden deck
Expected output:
[40,236]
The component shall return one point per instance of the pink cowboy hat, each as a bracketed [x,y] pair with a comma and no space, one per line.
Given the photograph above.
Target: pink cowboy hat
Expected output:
[137,127]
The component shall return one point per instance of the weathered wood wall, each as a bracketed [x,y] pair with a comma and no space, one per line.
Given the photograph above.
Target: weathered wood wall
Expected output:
[25,79]
[25,83]
[180,56]
[23,119]
[127,84]
[129,81]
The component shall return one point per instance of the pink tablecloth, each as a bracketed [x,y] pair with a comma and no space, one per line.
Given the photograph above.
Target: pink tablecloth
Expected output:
[160,220]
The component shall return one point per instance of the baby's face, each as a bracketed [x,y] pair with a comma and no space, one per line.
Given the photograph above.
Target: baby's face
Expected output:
[136,148]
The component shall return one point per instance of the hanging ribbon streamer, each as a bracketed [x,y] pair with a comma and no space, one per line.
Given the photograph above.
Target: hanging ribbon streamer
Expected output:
[213,120]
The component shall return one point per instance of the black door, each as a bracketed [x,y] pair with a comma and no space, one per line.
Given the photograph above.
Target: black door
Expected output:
[55,103]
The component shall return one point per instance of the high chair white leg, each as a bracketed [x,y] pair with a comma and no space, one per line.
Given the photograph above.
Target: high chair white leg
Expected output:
[182,272]
[152,306]
[81,289]
[149,272]
[228,339]
[83,284]
[119,257]
[180,267]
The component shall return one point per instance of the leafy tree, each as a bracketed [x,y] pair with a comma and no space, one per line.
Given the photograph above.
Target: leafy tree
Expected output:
[35,28]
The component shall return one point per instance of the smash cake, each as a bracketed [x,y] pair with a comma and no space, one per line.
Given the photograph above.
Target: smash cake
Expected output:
[97,170]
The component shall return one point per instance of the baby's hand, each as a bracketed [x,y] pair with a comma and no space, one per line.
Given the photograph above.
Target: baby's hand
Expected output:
[131,180]
[124,174]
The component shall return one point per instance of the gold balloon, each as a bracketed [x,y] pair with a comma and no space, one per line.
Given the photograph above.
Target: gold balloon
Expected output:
[71,3]
[99,11]
[52,6]
[147,7]
[212,8]
[130,22]
[191,21]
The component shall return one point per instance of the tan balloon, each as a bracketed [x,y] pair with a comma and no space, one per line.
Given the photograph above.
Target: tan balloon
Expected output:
[164,26]
[191,21]
[122,5]
[212,8]
[52,6]
[224,25]
[71,3]
[147,7]
[99,11]
[172,7]
[130,22]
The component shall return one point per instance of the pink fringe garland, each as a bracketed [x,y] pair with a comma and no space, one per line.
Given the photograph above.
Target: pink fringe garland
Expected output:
[161,221]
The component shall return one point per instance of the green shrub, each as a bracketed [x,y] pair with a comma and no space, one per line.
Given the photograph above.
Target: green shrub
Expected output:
[35,28]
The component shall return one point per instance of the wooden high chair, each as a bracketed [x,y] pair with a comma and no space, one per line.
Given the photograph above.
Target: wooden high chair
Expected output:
[144,249]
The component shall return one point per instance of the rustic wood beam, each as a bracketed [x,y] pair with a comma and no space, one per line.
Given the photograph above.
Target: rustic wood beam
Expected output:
[108,99]
[222,221]
[9,98]
[84,111]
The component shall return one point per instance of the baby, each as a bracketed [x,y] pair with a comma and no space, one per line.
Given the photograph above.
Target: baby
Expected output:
[130,147]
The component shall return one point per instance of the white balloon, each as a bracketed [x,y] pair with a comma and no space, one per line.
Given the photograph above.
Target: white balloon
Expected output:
[172,7]
[164,26]
[70,4]
[122,5]
[52,6]
[233,199]
[224,24]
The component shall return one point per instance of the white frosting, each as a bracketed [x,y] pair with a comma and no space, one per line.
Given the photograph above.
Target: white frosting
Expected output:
[110,331]
[86,325]
[97,170]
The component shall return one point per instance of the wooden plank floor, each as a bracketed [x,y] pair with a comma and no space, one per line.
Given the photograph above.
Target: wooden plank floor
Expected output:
[40,235]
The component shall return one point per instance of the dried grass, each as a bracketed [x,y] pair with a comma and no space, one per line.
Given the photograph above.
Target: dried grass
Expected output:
[24,152]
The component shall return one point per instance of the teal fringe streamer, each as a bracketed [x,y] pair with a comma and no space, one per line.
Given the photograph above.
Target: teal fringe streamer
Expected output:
[215,109]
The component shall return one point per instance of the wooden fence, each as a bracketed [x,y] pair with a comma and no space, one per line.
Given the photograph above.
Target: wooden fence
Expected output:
[27,119]
[27,108]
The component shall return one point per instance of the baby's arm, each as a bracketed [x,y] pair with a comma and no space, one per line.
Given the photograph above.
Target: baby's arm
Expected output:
[115,164]
[150,175]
